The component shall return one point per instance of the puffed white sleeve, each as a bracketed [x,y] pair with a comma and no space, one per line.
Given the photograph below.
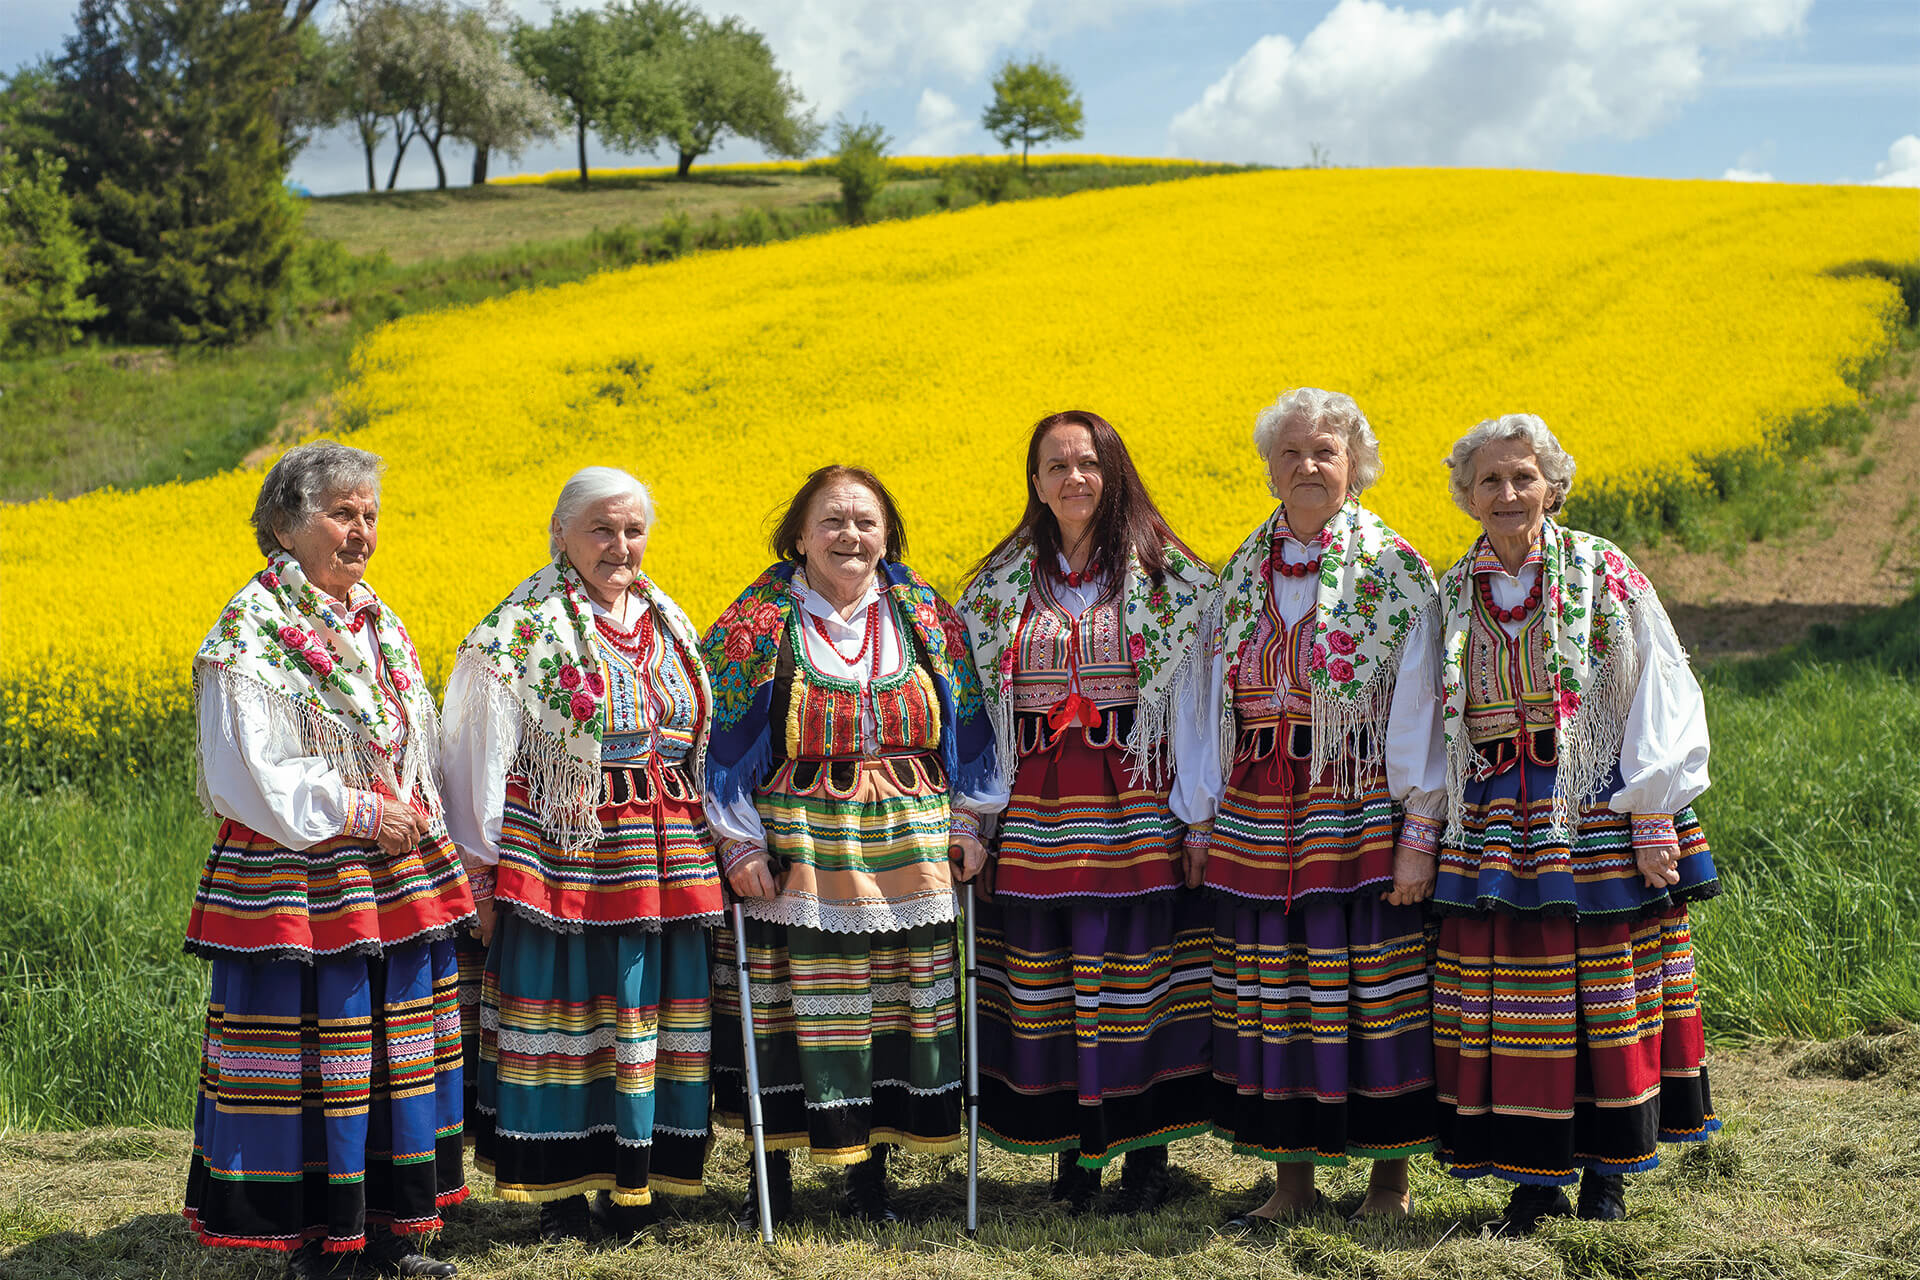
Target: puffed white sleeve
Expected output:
[479,736]
[1416,753]
[1199,773]
[1663,755]
[259,778]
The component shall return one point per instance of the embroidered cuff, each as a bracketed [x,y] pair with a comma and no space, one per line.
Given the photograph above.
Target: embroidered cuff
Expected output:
[1420,832]
[734,852]
[1653,829]
[963,822]
[481,880]
[363,816]
[1197,837]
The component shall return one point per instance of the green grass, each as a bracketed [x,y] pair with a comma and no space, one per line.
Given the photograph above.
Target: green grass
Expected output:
[1816,1176]
[1814,818]
[135,416]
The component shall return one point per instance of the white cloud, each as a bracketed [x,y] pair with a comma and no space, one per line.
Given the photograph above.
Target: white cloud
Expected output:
[1746,175]
[1901,168]
[939,126]
[1489,82]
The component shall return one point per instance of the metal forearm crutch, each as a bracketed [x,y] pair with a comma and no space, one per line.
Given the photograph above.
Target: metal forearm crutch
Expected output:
[755,1124]
[972,979]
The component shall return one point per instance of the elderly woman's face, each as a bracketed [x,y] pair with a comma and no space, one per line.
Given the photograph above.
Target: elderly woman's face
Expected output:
[1309,467]
[604,544]
[1068,479]
[844,536]
[334,544]
[1509,496]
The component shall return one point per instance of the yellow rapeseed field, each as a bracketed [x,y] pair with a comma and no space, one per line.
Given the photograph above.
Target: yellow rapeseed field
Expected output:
[1650,323]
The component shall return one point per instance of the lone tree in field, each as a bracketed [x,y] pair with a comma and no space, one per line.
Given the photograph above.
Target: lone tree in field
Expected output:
[1032,102]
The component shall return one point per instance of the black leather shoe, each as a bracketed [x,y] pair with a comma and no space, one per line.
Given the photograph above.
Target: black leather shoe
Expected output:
[311,1262]
[1074,1185]
[387,1254]
[622,1222]
[1603,1196]
[779,1193]
[1144,1184]
[1529,1204]
[867,1197]
[563,1220]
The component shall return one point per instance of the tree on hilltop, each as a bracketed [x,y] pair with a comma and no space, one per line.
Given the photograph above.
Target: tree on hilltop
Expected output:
[726,82]
[1033,102]
[607,68]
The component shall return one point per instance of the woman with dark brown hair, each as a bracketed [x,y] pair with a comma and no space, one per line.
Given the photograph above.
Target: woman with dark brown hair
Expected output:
[847,717]
[1095,962]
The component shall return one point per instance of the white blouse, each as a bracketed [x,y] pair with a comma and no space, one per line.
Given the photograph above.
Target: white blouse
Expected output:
[296,800]
[1663,756]
[1411,748]
[479,737]
[740,820]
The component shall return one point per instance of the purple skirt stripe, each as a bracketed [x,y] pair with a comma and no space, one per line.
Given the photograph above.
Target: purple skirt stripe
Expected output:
[1094,1034]
[1322,1043]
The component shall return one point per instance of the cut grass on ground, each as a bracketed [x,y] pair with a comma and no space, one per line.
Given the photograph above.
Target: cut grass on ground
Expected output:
[1816,1176]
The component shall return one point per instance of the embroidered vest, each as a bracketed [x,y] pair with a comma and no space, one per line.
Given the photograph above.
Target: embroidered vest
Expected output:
[1273,679]
[823,712]
[1045,657]
[653,697]
[1506,677]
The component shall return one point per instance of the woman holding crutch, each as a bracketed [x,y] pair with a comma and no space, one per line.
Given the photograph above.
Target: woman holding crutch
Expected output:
[847,719]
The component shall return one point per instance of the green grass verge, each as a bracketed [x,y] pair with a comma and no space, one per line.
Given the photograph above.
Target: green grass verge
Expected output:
[1814,816]
[131,417]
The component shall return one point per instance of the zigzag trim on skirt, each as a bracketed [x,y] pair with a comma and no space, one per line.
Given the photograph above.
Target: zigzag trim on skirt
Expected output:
[635,924]
[370,948]
[1489,907]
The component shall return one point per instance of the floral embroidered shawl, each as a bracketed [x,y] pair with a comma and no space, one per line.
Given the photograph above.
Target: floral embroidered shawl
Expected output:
[282,644]
[1373,587]
[1162,624]
[741,650]
[536,646]
[1589,594]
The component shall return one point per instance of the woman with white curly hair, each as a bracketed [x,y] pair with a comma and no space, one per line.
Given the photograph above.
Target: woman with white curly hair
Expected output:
[577,720]
[1570,739]
[1321,1048]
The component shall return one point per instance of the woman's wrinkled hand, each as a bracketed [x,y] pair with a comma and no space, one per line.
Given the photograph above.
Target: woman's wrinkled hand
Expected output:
[1191,854]
[1659,864]
[401,828]
[752,876]
[967,854]
[1414,872]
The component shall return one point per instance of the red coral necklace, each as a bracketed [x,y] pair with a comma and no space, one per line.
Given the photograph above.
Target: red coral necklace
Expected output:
[1516,614]
[870,641]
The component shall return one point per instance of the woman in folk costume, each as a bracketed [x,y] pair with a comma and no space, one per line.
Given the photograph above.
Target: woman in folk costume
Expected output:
[1321,1045]
[328,1122]
[1095,961]
[847,720]
[576,727]
[1570,740]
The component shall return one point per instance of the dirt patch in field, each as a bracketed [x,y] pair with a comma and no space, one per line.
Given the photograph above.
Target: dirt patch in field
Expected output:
[296,423]
[1859,552]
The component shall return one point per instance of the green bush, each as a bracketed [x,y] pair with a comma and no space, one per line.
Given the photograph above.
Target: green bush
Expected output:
[860,163]
[43,257]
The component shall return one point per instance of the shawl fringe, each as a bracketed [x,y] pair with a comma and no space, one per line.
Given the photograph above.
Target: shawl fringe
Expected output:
[563,790]
[298,729]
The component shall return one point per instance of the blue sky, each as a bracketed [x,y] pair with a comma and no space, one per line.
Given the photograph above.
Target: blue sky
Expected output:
[1794,90]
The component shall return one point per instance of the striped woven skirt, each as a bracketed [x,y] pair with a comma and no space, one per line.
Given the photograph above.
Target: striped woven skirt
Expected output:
[1094,965]
[593,1071]
[856,1039]
[1321,1014]
[1567,1030]
[329,1100]
[594,1005]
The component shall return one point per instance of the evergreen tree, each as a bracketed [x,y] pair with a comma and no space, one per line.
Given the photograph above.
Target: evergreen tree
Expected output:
[43,259]
[169,118]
